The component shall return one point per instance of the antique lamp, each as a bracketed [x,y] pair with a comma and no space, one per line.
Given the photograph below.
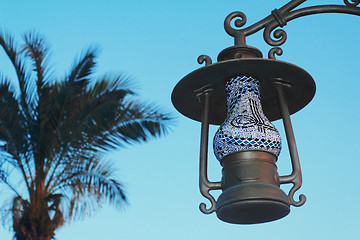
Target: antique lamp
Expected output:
[243,92]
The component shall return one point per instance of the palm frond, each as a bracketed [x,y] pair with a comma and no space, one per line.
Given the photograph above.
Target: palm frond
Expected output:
[14,131]
[12,123]
[106,116]
[35,48]
[24,81]
[135,123]
[83,68]
[4,179]
[90,185]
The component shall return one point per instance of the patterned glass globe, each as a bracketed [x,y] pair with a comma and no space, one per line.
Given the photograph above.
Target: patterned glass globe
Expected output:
[245,127]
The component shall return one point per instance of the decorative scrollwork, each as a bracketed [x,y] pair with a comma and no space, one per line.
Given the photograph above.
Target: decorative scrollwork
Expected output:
[240,22]
[302,197]
[353,3]
[276,50]
[279,18]
[204,58]
[279,35]
[202,206]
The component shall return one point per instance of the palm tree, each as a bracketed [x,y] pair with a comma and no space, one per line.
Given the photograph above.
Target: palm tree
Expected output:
[53,135]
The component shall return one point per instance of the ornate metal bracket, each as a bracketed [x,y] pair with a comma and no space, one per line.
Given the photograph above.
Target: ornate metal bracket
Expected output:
[279,18]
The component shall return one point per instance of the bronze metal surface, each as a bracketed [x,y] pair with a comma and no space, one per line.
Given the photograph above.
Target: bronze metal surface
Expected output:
[251,192]
[299,94]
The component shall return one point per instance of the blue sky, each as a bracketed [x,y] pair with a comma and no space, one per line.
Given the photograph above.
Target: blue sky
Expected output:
[157,43]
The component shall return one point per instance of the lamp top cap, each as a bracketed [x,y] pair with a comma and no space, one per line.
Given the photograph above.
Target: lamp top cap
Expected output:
[239,51]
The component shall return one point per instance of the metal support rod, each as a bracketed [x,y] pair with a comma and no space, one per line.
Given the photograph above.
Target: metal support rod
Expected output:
[204,184]
[295,177]
[262,23]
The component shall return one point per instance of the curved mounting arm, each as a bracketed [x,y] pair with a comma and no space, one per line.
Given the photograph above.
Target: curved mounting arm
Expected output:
[279,18]
[203,95]
[295,177]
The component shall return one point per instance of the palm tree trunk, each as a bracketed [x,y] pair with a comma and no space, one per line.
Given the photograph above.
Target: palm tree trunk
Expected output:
[35,223]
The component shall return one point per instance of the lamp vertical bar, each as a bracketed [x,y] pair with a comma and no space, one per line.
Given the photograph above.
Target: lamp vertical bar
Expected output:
[295,177]
[204,184]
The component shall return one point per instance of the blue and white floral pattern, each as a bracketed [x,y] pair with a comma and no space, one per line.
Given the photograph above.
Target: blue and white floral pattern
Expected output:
[245,127]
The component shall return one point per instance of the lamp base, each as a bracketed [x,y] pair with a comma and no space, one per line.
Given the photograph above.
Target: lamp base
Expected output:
[252,203]
[251,192]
